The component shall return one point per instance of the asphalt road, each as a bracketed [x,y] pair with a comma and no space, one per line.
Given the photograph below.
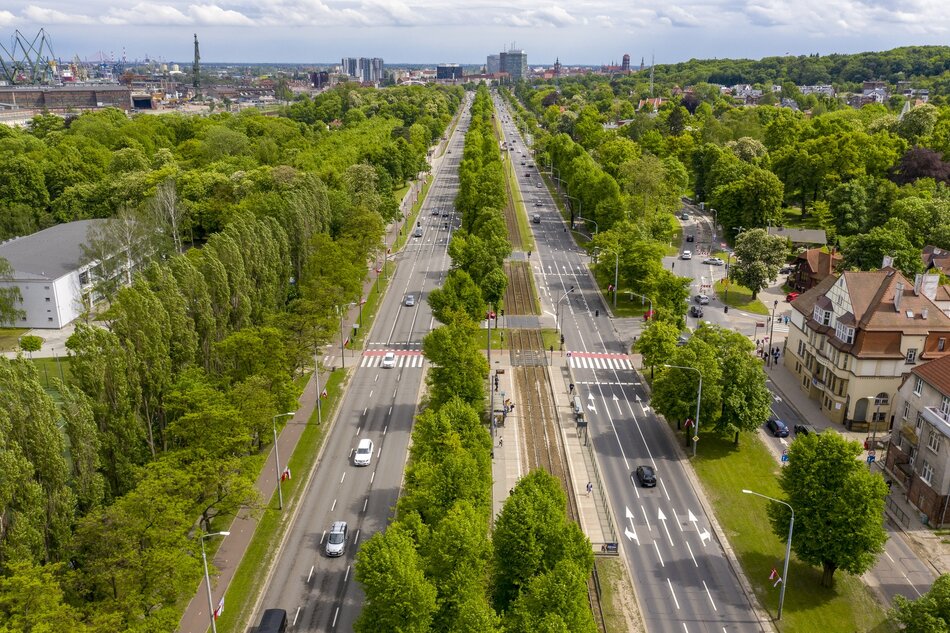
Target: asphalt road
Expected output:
[682,577]
[319,593]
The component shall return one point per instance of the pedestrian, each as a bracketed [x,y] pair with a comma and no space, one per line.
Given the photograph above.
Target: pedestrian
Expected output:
[501,441]
[590,487]
[673,265]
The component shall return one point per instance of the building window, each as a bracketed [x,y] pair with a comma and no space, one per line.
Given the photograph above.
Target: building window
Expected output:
[844,333]
[881,399]
[801,348]
[926,472]
[907,410]
[47,299]
[84,278]
[934,440]
[822,316]
[941,343]
[945,407]
[918,385]
[919,424]
[911,356]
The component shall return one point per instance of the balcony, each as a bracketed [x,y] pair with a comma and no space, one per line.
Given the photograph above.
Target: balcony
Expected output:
[909,433]
[937,418]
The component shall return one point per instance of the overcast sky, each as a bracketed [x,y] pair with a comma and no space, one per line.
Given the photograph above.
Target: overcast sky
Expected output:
[430,31]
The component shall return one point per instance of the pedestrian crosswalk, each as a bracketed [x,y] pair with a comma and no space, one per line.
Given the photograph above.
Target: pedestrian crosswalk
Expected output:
[587,360]
[404,359]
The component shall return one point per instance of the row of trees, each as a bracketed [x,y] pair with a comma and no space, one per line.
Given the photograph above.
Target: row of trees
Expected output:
[165,410]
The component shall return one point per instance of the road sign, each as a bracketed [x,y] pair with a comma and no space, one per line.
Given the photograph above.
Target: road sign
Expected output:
[784,457]
[695,438]
[870,459]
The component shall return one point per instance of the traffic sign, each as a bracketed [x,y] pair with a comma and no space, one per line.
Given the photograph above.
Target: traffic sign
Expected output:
[784,457]
[870,459]
[695,438]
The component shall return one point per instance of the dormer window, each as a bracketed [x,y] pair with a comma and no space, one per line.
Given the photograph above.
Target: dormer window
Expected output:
[822,316]
[844,333]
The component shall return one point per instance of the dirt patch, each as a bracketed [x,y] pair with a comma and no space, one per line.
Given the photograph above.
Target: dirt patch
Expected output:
[617,597]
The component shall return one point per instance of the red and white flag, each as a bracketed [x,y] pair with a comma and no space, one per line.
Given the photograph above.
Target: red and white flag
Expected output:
[285,474]
[220,609]
[324,394]
[774,574]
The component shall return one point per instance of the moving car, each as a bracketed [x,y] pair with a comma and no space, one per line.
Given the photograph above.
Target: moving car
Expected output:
[791,296]
[702,300]
[686,255]
[538,203]
[389,360]
[536,218]
[336,539]
[714,261]
[364,453]
[646,476]
[273,621]
[682,339]
[696,312]
[776,427]
[690,238]
[410,300]
[538,185]
[418,232]
[806,429]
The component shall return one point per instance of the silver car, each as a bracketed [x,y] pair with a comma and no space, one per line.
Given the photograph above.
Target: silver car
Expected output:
[336,539]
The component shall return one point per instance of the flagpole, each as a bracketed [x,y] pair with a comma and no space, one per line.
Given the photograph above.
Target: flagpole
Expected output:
[316,373]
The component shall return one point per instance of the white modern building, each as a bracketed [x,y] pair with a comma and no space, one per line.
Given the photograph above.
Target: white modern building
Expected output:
[47,269]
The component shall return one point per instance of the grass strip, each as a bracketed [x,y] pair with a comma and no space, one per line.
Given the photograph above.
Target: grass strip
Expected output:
[740,297]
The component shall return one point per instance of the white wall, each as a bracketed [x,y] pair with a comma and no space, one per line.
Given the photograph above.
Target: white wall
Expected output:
[49,304]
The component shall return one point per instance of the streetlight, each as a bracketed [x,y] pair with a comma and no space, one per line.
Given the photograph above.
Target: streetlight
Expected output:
[339,311]
[280,494]
[580,212]
[557,319]
[616,273]
[642,297]
[768,358]
[204,560]
[699,397]
[788,546]
[596,226]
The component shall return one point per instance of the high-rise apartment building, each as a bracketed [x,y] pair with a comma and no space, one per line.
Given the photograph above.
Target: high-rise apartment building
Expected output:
[493,64]
[363,69]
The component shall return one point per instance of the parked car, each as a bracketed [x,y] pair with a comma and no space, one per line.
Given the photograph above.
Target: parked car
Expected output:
[806,429]
[389,360]
[646,476]
[648,315]
[682,339]
[364,453]
[690,238]
[792,296]
[788,268]
[686,255]
[714,261]
[336,539]
[445,213]
[701,299]
[776,427]
[684,216]
[696,312]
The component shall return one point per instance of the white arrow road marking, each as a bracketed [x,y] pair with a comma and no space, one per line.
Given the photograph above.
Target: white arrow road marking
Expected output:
[631,532]
[692,519]
[704,536]
[662,518]
[591,407]
[590,396]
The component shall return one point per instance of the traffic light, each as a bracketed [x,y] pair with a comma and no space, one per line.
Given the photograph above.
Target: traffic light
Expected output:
[562,339]
[502,312]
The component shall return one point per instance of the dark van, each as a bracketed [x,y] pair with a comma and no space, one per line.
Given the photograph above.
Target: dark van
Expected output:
[273,621]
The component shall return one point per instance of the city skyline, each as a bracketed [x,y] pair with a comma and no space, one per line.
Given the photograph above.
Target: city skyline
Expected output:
[322,31]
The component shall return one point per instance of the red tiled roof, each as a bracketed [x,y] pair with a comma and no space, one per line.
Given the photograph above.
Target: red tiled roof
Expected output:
[936,373]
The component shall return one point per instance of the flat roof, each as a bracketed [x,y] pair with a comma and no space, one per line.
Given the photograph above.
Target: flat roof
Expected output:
[48,254]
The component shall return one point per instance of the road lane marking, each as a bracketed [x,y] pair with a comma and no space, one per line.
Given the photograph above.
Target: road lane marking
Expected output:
[332,508]
[385,428]
[710,596]
[646,518]
[309,576]
[662,519]
[346,577]
[658,555]
[691,553]
[675,601]
[336,612]
[296,615]
[343,477]
[370,394]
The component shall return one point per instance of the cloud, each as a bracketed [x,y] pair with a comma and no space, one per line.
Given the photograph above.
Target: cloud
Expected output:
[213,15]
[7,18]
[546,16]
[52,16]
[146,14]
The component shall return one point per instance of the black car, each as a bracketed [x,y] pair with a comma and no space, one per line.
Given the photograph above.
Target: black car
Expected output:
[696,311]
[777,428]
[646,476]
[690,238]
[806,429]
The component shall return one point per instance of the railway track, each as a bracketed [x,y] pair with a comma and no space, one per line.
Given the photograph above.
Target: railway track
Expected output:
[519,295]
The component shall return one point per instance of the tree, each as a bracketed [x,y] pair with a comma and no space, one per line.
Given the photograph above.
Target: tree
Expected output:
[675,390]
[929,613]
[458,294]
[920,162]
[30,343]
[458,366]
[839,505]
[866,251]
[758,259]
[553,601]
[32,599]
[9,296]
[398,595]
[657,343]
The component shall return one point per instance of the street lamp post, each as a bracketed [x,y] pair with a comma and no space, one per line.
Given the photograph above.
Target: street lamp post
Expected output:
[596,226]
[280,494]
[617,274]
[557,320]
[580,211]
[768,356]
[339,310]
[699,397]
[204,560]
[645,298]
[788,547]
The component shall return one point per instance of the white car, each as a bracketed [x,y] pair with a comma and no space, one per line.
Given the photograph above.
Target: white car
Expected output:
[686,255]
[336,539]
[702,300]
[389,360]
[714,261]
[364,453]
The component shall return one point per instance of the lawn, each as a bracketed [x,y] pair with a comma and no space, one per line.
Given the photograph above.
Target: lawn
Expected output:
[10,338]
[740,297]
[724,471]
[248,579]
[501,336]
[51,370]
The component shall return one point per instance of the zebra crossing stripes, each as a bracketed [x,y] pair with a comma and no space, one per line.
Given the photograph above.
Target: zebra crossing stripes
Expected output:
[404,359]
[584,360]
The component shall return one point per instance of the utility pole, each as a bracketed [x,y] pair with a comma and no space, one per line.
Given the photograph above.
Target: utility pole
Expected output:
[196,71]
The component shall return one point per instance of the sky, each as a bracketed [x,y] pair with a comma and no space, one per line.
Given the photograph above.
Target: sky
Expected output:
[465,31]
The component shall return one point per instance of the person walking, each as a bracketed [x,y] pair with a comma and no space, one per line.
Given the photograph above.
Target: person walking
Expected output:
[590,488]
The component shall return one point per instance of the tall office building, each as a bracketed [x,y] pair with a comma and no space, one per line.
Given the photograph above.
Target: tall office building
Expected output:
[363,69]
[493,64]
[515,63]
